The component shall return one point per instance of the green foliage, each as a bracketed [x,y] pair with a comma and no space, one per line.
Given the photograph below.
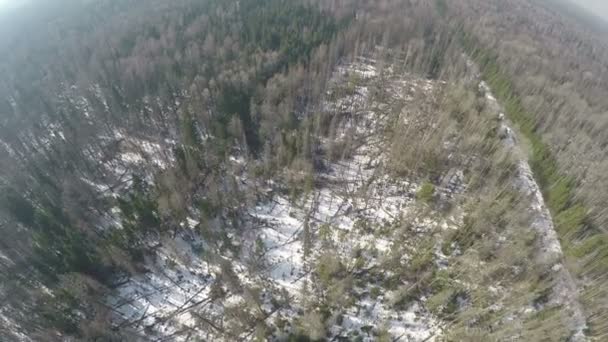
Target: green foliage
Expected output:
[464,237]
[446,297]
[207,208]
[235,100]
[260,247]
[426,192]
[593,253]
[311,327]
[559,194]
[190,136]
[59,246]
[591,245]
[436,48]
[570,221]
[251,42]
[452,305]
[325,232]
[61,312]
[278,25]
[339,293]
[299,338]
[570,214]
[438,300]
[421,260]
[441,281]
[18,206]
[442,7]
[348,88]
[375,292]
[359,262]
[289,28]
[384,335]
[329,267]
[139,213]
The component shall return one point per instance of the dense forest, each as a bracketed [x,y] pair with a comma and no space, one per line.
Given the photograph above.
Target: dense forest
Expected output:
[302,170]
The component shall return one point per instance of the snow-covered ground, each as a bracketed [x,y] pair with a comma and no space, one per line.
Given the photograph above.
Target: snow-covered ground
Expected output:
[353,200]
[352,191]
[162,298]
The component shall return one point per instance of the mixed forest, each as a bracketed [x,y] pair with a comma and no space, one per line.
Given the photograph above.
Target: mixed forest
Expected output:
[303,170]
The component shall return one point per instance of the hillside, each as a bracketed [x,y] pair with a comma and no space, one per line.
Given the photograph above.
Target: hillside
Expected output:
[308,170]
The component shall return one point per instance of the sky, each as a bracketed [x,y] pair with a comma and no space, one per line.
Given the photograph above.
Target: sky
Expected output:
[598,7]
[4,4]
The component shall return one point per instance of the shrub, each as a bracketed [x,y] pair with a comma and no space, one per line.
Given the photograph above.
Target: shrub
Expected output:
[569,221]
[426,192]
[312,327]
[329,266]
[375,292]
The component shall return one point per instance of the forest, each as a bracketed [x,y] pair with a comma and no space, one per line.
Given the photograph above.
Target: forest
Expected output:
[303,170]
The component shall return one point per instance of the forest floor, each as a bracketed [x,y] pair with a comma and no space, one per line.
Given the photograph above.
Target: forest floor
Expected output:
[339,260]
[348,218]
[352,212]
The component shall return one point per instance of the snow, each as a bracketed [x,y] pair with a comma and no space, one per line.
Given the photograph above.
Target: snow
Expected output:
[140,151]
[131,157]
[351,192]
[101,188]
[11,327]
[5,259]
[284,249]
[101,97]
[549,251]
[158,300]
[365,67]
[7,148]
[412,324]
[132,154]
